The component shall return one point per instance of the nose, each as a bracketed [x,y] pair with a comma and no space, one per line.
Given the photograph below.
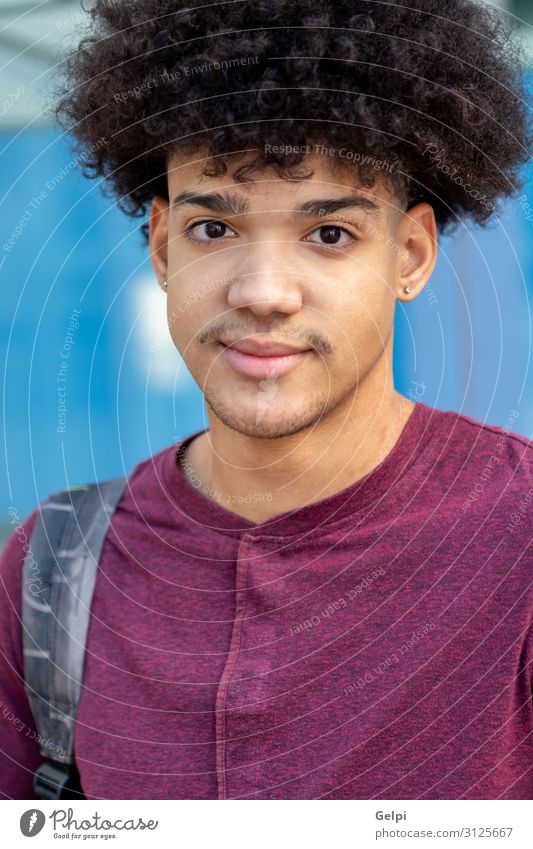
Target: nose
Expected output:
[263,282]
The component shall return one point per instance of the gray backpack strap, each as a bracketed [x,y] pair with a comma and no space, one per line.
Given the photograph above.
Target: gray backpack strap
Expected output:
[59,577]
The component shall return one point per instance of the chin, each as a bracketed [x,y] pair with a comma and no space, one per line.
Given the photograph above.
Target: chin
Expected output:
[265,430]
[264,420]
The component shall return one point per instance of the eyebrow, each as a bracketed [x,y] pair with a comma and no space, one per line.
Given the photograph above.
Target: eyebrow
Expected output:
[227,203]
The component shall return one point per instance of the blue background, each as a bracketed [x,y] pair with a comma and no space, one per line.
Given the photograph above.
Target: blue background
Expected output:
[466,339]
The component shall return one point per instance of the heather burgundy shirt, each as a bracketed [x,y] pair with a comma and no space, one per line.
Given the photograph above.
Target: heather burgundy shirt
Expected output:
[377,644]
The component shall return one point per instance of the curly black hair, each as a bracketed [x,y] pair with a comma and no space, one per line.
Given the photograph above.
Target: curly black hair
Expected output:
[428,95]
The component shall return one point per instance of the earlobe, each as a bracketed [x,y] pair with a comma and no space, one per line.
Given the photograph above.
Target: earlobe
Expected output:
[158,230]
[419,237]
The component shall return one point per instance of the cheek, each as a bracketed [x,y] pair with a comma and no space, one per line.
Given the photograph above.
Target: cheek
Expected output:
[361,304]
[179,322]
[375,295]
[360,321]
[186,318]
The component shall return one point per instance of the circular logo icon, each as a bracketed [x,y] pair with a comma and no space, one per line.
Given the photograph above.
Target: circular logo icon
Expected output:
[32,822]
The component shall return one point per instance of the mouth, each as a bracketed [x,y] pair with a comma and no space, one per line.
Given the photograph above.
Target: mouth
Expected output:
[262,365]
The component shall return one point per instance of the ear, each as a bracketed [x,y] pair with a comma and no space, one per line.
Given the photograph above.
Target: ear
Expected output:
[417,239]
[158,230]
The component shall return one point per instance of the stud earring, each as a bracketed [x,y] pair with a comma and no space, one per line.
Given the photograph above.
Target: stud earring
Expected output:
[165,284]
[407,289]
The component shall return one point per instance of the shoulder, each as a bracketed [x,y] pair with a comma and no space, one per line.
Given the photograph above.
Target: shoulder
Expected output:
[19,544]
[489,469]
[479,468]
[470,448]
[488,447]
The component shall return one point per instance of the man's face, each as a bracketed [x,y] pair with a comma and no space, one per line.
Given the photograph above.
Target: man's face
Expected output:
[284,264]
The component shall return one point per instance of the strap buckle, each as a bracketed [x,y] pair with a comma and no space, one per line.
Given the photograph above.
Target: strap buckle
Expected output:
[53,780]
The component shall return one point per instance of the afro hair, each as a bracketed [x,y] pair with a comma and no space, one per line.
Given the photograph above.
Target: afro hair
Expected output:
[428,95]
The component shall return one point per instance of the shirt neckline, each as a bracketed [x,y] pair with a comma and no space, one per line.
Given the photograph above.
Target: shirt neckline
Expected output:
[355,500]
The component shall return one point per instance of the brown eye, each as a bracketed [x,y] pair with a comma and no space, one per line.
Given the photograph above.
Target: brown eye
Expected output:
[330,235]
[214,229]
[207,231]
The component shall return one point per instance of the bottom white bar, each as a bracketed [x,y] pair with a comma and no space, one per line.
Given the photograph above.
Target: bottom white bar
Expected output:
[253,824]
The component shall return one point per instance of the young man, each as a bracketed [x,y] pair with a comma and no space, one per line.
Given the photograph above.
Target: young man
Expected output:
[323,595]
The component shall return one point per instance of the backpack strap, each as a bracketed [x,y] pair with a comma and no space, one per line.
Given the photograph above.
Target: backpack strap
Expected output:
[59,577]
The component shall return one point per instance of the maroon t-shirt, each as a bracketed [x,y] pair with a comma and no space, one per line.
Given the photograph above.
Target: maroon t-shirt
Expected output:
[377,644]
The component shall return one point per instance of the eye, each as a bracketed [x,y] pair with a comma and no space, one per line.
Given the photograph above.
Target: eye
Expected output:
[207,231]
[330,235]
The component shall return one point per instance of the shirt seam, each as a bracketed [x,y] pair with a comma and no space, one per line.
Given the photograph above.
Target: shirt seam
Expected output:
[498,431]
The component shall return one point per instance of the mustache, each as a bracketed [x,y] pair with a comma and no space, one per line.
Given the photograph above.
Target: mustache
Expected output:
[227,329]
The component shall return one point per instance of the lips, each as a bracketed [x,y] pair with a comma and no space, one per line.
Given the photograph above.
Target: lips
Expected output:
[262,360]
[264,349]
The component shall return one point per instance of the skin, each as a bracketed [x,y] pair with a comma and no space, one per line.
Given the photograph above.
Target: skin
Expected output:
[267,274]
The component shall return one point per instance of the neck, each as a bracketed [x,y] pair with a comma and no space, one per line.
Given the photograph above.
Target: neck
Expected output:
[289,472]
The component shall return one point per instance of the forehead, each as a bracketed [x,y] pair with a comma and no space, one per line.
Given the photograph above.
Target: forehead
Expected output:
[326,177]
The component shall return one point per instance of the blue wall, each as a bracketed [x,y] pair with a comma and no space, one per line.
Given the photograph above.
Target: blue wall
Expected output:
[468,336]
[466,342]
